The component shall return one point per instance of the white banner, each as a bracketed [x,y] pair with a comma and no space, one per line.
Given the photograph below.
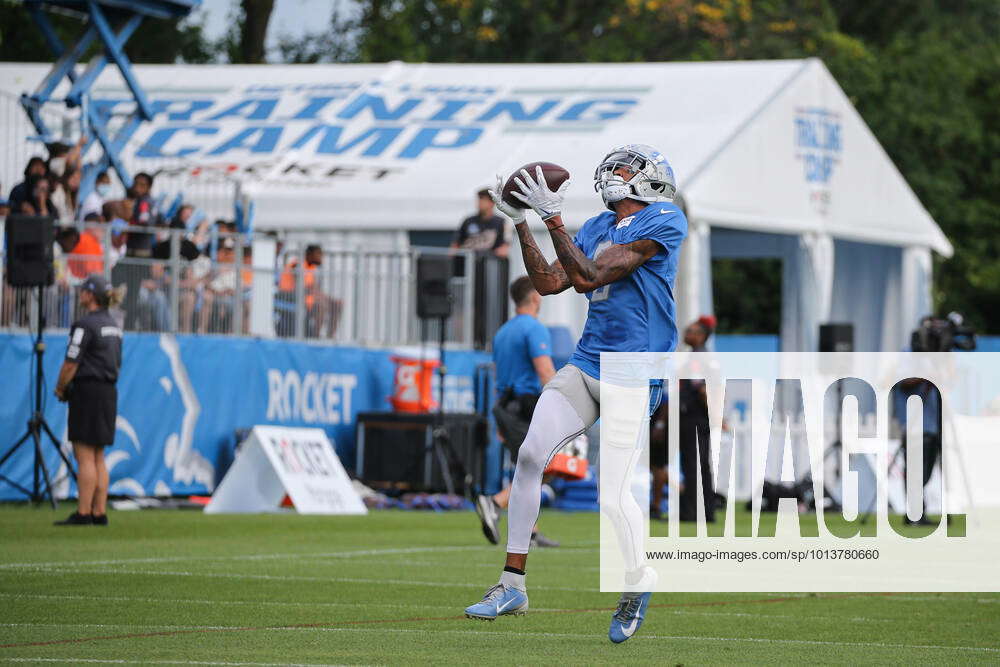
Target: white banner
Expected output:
[275,460]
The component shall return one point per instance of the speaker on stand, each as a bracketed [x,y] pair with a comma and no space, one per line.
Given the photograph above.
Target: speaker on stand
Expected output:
[29,264]
[434,301]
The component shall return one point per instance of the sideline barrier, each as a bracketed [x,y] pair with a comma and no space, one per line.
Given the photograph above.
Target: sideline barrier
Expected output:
[181,398]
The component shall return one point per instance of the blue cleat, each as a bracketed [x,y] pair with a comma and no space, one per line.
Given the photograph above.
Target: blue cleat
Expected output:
[629,616]
[499,601]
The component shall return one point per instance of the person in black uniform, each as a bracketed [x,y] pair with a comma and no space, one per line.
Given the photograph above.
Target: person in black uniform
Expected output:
[694,431]
[87,382]
[693,438]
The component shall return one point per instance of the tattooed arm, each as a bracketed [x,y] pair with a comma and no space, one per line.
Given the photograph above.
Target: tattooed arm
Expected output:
[585,274]
[546,278]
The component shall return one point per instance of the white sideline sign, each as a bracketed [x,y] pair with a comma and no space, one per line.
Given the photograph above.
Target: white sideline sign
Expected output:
[275,460]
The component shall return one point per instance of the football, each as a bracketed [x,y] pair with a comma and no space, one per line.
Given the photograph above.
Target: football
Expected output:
[554,176]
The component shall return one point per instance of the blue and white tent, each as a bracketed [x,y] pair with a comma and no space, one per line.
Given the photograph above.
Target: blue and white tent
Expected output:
[771,158]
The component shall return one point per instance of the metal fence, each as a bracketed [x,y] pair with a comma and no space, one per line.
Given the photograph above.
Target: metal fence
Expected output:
[239,285]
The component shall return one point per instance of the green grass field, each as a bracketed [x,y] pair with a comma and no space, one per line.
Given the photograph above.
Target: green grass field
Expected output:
[161,587]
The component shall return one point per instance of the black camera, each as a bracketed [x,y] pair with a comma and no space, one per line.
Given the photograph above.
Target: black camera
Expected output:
[943,334]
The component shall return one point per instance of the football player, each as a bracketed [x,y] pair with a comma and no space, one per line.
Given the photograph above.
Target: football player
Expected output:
[624,260]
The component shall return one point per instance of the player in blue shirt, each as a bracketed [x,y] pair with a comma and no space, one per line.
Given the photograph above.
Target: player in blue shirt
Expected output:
[522,354]
[624,260]
[522,347]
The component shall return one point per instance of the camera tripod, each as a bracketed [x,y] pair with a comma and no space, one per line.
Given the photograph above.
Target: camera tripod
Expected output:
[37,426]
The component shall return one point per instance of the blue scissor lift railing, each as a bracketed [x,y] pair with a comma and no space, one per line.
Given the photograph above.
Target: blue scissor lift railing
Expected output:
[98,16]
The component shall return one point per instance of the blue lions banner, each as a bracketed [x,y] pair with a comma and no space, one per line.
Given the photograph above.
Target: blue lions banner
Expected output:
[182,398]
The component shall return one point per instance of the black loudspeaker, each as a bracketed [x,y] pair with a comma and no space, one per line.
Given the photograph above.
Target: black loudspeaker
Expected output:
[29,250]
[399,448]
[836,337]
[492,283]
[433,286]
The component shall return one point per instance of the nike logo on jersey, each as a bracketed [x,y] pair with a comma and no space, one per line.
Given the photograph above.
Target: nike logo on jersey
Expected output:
[664,211]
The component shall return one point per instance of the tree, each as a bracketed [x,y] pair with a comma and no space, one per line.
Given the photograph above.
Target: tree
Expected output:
[337,44]
[253,29]
[925,75]
[155,41]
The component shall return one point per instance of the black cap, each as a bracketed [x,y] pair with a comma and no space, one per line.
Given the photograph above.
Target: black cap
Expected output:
[95,284]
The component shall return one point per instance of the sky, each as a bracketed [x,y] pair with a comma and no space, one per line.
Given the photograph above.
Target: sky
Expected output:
[293,17]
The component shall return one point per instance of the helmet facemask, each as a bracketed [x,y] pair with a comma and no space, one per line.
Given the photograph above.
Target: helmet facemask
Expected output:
[650,181]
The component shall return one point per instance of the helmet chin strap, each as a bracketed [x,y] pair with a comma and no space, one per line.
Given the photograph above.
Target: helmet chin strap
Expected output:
[623,191]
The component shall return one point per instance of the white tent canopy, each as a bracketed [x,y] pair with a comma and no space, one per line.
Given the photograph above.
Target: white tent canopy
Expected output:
[772,149]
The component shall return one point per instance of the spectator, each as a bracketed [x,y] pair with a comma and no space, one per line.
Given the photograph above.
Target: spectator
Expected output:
[86,254]
[64,158]
[153,308]
[116,215]
[64,195]
[4,208]
[226,226]
[483,231]
[22,192]
[94,202]
[141,244]
[65,240]
[192,285]
[60,296]
[181,218]
[279,247]
[246,283]
[219,297]
[139,206]
[38,201]
[321,309]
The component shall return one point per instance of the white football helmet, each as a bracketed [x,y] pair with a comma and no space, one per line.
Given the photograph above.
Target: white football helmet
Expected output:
[652,178]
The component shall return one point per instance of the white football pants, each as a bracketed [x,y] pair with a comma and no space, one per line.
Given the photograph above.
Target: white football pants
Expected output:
[556,422]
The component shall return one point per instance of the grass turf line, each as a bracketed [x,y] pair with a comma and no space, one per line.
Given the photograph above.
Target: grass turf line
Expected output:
[185,588]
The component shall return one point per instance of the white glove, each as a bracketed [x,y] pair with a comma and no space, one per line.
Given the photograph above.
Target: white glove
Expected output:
[537,195]
[512,213]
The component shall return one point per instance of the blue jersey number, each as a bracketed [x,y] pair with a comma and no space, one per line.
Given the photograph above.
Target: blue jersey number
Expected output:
[601,293]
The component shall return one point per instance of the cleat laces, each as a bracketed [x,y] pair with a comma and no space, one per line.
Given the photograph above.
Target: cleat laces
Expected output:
[627,609]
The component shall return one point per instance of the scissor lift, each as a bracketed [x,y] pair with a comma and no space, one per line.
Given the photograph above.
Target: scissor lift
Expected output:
[100,18]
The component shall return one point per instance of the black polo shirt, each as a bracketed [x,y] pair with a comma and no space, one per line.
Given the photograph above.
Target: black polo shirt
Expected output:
[95,343]
[478,234]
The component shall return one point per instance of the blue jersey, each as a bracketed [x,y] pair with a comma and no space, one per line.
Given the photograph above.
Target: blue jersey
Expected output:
[636,313]
[516,344]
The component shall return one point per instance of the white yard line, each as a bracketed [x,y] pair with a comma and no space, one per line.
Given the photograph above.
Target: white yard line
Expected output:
[289,577]
[241,557]
[249,603]
[508,636]
[274,556]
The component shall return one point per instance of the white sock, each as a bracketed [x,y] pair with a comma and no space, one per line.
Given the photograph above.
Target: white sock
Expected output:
[512,580]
